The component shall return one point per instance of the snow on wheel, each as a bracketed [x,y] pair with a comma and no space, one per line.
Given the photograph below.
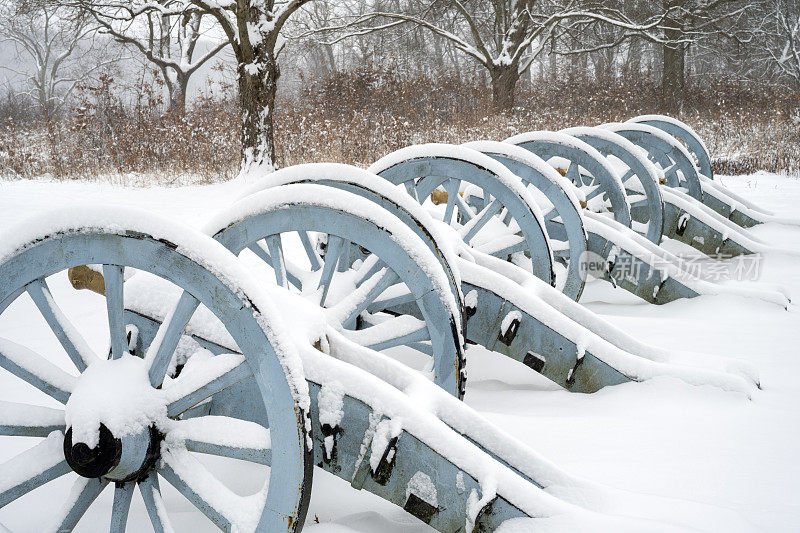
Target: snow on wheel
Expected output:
[639,176]
[377,281]
[488,205]
[121,421]
[684,133]
[667,153]
[389,197]
[557,195]
[740,210]
[585,167]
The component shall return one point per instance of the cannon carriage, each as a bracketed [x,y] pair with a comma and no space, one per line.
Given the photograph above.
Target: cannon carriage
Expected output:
[322,321]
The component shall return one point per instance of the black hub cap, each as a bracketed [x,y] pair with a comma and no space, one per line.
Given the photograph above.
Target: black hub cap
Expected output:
[93,462]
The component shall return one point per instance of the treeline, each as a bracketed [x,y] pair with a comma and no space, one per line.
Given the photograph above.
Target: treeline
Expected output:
[359,115]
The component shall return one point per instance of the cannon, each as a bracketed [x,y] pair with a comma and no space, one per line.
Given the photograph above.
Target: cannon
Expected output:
[321,322]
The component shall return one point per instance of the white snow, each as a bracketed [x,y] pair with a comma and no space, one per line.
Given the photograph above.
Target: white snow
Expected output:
[20,414]
[287,195]
[219,430]
[116,393]
[330,401]
[46,454]
[672,120]
[206,252]
[421,485]
[471,299]
[384,433]
[695,451]
[509,319]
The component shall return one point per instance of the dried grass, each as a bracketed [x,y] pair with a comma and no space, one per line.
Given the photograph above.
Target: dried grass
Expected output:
[359,116]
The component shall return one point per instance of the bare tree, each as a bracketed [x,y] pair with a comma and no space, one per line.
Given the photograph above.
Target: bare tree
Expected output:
[503,36]
[54,51]
[169,41]
[691,22]
[783,44]
[252,28]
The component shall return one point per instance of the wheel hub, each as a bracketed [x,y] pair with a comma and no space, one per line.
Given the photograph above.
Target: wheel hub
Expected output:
[111,418]
[118,459]
[93,462]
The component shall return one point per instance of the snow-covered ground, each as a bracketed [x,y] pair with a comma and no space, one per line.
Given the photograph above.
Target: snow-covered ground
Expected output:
[661,437]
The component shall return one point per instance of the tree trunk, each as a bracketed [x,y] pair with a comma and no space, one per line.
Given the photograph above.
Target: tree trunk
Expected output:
[504,83]
[673,62]
[177,93]
[672,77]
[257,87]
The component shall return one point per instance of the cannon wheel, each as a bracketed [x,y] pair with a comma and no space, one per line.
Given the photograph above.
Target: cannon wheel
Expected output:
[666,152]
[372,265]
[156,443]
[503,221]
[587,169]
[697,148]
[647,205]
[367,185]
[684,133]
[557,189]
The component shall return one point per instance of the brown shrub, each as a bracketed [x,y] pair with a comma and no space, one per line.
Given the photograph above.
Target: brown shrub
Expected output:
[358,116]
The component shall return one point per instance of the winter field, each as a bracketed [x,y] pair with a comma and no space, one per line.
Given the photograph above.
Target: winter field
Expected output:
[710,460]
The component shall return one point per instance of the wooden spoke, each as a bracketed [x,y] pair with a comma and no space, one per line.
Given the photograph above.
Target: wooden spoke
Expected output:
[597,191]
[628,175]
[332,253]
[487,198]
[505,216]
[226,437]
[275,247]
[202,489]
[519,244]
[72,341]
[463,209]
[33,468]
[36,370]
[169,333]
[411,189]
[311,252]
[452,187]
[258,249]
[343,265]
[113,277]
[84,492]
[562,255]
[123,493]
[550,215]
[424,347]
[368,268]
[671,171]
[427,185]
[393,298]
[573,174]
[218,373]
[397,331]
[362,297]
[481,219]
[154,503]
[21,420]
